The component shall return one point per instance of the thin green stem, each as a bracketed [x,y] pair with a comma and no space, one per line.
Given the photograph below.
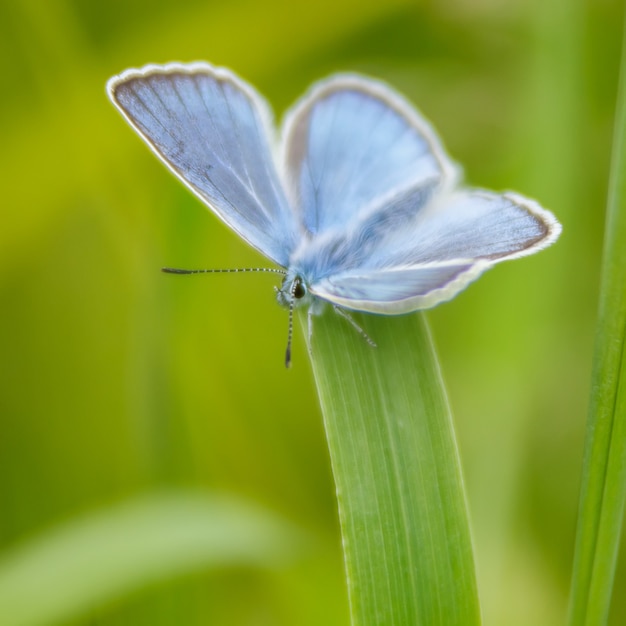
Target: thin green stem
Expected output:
[603,491]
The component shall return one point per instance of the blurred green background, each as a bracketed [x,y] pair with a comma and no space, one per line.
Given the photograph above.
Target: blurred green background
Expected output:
[117,381]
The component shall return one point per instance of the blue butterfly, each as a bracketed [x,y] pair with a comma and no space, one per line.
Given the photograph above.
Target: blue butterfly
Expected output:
[358,201]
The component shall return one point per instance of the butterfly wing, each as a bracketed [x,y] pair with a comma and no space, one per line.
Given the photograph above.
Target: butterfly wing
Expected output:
[214,132]
[450,242]
[374,189]
[349,144]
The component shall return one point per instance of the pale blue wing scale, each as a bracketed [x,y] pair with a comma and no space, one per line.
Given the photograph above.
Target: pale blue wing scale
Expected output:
[449,243]
[470,224]
[395,291]
[365,242]
[349,144]
[214,132]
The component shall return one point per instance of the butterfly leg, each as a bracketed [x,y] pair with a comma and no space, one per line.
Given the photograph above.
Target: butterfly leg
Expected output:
[309,317]
[354,325]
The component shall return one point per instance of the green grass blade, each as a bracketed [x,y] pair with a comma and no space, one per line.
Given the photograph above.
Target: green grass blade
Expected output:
[110,553]
[603,490]
[406,539]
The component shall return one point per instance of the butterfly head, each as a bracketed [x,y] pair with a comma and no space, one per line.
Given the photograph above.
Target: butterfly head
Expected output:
[294,291]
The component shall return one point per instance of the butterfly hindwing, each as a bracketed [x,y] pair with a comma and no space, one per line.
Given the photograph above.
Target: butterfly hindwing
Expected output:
[448,245]
[393,291]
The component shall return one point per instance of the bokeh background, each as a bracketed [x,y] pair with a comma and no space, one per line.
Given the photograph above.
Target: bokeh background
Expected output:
[117,381]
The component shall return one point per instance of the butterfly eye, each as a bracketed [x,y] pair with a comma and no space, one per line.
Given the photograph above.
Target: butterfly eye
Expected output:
[298,290]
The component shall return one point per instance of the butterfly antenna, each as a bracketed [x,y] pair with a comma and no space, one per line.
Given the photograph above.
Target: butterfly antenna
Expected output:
[289,335]
[174,270]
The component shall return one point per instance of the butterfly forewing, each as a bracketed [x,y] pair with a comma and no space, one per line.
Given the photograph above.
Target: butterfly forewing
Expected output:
[350,145]
[214,133]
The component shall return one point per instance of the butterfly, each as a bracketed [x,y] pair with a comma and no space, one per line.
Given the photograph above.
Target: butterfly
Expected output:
[357,201]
